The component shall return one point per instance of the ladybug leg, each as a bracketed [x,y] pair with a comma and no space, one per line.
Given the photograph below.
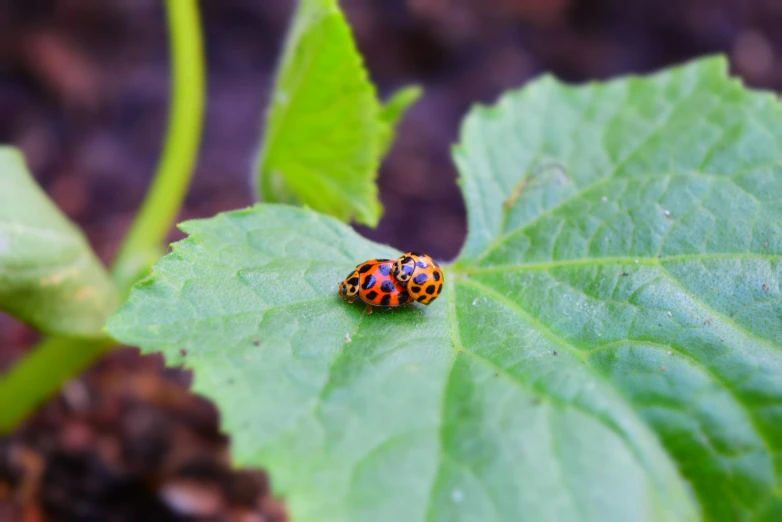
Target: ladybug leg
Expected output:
[369,309]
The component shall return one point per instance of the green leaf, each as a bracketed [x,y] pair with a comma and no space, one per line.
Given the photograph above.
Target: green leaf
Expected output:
[49,276]
[607,346]
[326,130]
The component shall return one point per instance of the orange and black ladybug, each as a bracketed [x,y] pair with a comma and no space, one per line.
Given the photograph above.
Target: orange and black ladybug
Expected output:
[422,276]
[373,282]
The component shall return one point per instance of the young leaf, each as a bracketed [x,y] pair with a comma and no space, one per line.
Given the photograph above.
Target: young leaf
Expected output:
[326,131]
[49,276]
[606,348]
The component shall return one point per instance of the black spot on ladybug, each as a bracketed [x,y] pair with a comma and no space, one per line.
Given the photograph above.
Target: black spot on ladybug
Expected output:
[417,254]
[372,295]
[421,279]
[369,282]
[436,275]
[440,288]
[353,281]
[387,286]
[421,264]
[386,300]
[366,267]
[430,289]
[385,269]
[421,299]
[403,297]
[415,289]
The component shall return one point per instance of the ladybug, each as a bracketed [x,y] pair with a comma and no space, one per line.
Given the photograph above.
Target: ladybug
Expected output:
[422,276]
[373,282]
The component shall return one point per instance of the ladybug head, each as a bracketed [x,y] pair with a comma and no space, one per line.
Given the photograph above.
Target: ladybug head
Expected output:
[349,287]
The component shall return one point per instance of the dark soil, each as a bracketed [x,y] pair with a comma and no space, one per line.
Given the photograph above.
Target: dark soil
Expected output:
[128,442]
[83,92]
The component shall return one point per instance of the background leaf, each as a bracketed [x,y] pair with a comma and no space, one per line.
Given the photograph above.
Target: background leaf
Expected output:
[607,346]
[49,276]
[326,130]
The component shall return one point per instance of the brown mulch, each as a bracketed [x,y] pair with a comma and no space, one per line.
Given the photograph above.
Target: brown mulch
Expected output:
[83,92]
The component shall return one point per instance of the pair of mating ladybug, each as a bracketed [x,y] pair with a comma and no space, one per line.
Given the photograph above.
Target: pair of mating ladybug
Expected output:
[394,282]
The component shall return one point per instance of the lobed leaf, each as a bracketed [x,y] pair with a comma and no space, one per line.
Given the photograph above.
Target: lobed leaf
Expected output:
[326,131]
[607,346]
[49,276]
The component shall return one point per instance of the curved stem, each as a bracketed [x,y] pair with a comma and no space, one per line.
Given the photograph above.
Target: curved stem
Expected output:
[164,198]
[54,360]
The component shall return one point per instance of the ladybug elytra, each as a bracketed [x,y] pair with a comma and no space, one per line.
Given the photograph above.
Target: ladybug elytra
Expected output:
[373,282]
[422,276]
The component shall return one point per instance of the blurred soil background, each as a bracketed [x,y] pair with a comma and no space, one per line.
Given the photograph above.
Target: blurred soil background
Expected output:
[84,94]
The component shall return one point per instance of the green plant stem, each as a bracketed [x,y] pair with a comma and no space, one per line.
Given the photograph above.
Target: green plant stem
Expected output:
[144,240]
[42,371]
[50,363]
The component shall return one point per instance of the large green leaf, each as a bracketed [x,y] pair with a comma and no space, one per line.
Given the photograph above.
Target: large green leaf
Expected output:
[326,129]
[607,347]
[49,276]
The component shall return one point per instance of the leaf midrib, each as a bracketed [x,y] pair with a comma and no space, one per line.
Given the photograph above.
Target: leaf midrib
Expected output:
[458,348]
[586,356]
